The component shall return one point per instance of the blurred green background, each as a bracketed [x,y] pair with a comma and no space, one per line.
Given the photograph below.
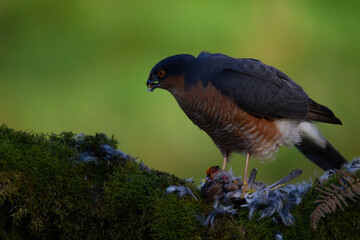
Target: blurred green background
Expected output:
[81,66]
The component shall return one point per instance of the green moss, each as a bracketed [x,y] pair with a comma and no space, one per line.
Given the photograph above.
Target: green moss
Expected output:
[174,218]
[46,192]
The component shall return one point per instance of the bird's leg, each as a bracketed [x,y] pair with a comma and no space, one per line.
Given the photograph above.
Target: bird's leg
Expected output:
[245,185]
[224,163]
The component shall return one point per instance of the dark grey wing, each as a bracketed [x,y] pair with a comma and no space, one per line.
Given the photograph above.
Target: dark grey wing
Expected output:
[260,90]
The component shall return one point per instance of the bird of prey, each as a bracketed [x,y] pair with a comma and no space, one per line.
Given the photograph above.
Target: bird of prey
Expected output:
[246,106]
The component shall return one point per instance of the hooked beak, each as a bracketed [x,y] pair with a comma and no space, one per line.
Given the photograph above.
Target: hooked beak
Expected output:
[152,84]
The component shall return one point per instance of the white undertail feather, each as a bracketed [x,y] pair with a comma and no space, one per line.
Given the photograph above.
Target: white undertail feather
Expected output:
[293,131]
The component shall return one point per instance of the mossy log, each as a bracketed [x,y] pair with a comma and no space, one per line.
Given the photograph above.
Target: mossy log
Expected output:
[71,186]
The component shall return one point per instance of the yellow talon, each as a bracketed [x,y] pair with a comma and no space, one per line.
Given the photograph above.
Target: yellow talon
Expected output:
[277,187]
[244,189]
[251,191]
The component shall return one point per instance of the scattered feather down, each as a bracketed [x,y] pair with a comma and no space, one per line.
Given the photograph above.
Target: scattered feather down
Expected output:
[279,200]
[278,235]
[88,153]
[107,151]
[218,209]
[111,152]
[327,174]
[86,157]
[182,191]
[353,166]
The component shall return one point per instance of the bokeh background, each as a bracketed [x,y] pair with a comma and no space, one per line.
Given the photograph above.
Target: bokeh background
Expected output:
[81,66]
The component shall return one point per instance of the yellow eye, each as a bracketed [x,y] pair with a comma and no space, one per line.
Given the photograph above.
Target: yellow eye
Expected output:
[161,73]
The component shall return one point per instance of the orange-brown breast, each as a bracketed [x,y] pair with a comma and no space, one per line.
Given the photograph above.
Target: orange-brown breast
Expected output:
[231,129]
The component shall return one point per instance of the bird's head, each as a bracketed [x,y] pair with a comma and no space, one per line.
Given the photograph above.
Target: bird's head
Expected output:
[170,72]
